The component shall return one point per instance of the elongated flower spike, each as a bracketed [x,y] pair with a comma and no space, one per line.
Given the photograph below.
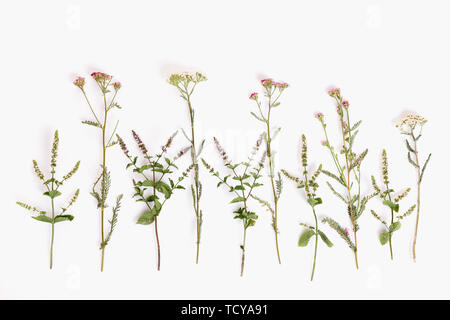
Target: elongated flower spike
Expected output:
[391,202]
[154,184]
[411,125]
[272,91]
[309,184]
[186,83]
[244,177]
[52,187]
[101,186]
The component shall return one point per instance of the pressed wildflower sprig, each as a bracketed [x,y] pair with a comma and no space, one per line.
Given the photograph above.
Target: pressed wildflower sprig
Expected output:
[348,167]
[411,125]
[390,200]
[186,83]
[155,186]
[272,91]
[102,184]
[52,186]
[310,185]
[241,182]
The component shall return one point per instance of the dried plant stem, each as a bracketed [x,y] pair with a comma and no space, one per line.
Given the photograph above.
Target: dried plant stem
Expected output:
[196,178]
[315,245]
[243,251]
[416,155]
[272,182]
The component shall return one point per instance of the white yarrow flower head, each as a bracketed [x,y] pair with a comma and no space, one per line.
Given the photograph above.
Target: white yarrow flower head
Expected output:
[409,122]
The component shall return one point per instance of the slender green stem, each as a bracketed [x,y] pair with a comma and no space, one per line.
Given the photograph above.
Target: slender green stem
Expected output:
[315,246]
[103,174]
[243,251]
[53,235]
[416,155]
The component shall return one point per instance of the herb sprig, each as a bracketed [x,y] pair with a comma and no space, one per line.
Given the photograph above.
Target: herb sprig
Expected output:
[272,91]
[186,83]
[52,187]
[310,185]
[241,182]
[155,186]
[348,171]
[102,184]
[390,200]
[411,125]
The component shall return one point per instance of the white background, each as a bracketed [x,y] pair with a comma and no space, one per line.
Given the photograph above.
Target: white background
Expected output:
[388,57]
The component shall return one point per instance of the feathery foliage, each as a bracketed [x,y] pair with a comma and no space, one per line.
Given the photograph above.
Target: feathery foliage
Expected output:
[186,83]
[102,184]
[411,125]
[155,185]
[52,186]
[348,170]
[272,91]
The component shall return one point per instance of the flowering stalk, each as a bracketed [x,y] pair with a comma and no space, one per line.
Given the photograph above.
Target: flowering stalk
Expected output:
[411,125]
[186,83]
[103,182]
[272,91]
[392,202]
[152,187]
[245,182]
[309,185]
[348,171]
[52,186]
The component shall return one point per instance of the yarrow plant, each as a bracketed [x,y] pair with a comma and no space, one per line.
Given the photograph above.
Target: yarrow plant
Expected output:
[310,185]
[152,188]
[52,185]
[272,91]
[241,182]
[348,167]
[390,200]
[411,125]
[102,184]
[186,83]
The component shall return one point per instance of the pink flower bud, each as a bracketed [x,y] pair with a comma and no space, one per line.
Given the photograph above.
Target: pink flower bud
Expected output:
[345,103]
[334,92]
[253,96]
[319,115]
[100,76]
[79,82]
[117,85]
[346,231]
[267,82]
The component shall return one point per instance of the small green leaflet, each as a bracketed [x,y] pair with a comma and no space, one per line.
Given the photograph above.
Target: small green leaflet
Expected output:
[43,218]
[65,217]
[384,237]
[52,194]
[237,199]
[314,201]
[146,218]
[304,238]
[392,205]
[395,226]
[325,239]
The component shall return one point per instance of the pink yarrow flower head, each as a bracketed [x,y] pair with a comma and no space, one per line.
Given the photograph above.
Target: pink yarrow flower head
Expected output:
[319,115]
[324,143]
[345,103]
[346,231]
[334,92]
[117,85]
[100,76]
[267,82]
[79,82]
[281,85]
[253,96]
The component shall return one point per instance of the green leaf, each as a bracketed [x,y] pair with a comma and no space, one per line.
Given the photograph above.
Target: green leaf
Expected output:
[424,166]
[43,218]
[395,226]
[65,217]
[304,238]
[411,161]
[384,237]
[146,218]
[408,146]
[52,194]
[392,205]
[325,239]
[314,202]
[258,118]
[237,199]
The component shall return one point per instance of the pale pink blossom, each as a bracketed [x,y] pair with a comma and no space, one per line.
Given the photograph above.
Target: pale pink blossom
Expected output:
[253,96]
